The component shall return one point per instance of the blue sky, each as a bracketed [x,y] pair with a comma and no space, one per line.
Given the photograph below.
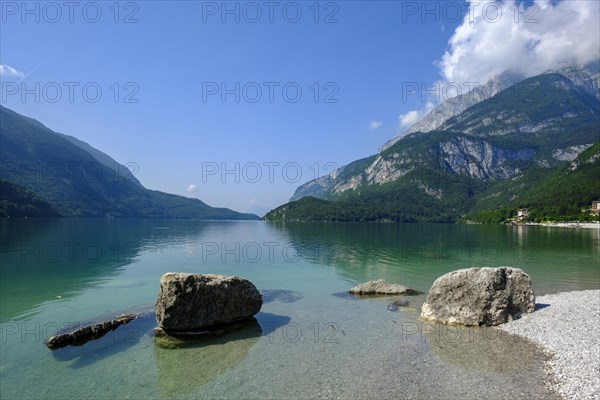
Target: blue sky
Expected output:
[171,57]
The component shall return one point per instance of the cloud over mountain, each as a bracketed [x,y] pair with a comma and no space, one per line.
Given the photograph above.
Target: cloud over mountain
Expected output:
[495,37]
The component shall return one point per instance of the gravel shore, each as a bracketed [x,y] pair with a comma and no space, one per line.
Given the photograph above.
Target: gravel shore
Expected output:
[585,225]
[567,325]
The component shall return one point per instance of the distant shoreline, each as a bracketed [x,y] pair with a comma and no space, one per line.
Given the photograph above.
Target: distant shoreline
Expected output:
[572,225]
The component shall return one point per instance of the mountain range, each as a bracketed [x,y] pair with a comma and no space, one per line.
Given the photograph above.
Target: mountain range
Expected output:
[585,77]
[486,150]
[46,173]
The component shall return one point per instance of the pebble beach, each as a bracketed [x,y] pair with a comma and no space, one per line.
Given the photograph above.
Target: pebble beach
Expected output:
[567,326]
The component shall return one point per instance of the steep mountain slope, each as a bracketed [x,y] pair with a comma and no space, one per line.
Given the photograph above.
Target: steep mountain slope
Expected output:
[586,78]
[118,169]
[454,106]
[561,195]
[77,180]
[16,201]
[485,157]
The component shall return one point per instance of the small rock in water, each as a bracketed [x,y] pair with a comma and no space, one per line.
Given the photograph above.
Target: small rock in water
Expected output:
[381,287]
[396,304]
[282,296]
[89,332]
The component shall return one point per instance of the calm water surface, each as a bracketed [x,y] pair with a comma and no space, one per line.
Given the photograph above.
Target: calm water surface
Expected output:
[309,340]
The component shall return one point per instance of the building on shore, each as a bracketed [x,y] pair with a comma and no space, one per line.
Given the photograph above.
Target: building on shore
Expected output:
[522,214]
[596,207]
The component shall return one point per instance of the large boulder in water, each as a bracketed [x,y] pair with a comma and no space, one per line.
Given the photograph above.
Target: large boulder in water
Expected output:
[382,288]
[479,297]
[191,302]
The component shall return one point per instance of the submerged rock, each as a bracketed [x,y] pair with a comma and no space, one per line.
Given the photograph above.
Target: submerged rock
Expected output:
[281,296]
[86,333]
[381,287]
[396,304]
[119,340]
[185,365]
[479,297]
[189,302]
[180,339]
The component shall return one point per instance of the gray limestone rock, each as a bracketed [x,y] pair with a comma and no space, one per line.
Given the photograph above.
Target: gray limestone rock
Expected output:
[479,297]
[381,287]
[188,302]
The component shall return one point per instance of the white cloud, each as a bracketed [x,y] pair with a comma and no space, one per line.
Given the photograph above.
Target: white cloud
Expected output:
[7,70]
[495,37]
[410,118]
[499,36]
[375,124]
[191,188]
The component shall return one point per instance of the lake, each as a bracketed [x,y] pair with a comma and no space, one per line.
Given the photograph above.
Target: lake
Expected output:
[310,339]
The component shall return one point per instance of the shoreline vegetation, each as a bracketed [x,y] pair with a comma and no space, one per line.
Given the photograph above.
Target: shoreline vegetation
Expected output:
[312,209]
[566,326]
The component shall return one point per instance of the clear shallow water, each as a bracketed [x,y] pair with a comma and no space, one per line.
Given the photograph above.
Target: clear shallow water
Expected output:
[307,342]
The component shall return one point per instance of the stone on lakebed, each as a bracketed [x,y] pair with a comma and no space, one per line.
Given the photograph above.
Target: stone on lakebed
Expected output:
[192,302]
[479,297]
[82,335]
[381,287]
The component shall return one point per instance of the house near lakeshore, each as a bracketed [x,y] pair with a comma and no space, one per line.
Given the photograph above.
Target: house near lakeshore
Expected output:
[522,213]
[596,207]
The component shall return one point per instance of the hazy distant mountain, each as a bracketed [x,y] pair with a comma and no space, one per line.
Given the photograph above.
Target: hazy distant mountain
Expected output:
[16,201]
[77,180]
[488,156]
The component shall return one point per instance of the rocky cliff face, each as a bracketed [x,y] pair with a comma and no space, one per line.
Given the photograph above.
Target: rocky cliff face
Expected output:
[480,159]
[542,122]
[587,78]
[456,105]
[475,158]
[317,187]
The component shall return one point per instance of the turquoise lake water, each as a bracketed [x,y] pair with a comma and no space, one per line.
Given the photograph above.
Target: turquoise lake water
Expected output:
[310,340]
